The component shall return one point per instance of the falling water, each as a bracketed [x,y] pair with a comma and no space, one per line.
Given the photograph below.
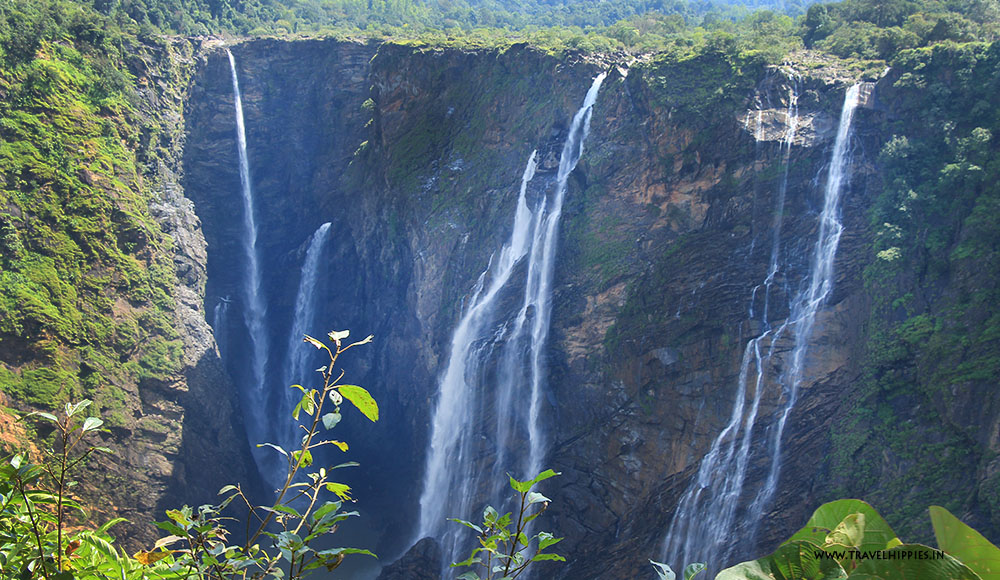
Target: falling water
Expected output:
[810,299]
[450,473]
[254,307]
[702,526]
[220,315]
[452,479]
[538,290]
[296,360]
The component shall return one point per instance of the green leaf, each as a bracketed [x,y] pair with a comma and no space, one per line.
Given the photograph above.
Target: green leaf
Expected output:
[306,404]
[798,560]
[330,420]
[519,486]
[965,544]
[693,569]
[275,447]
[543,557]
[362,399]
[829,516]
[848,533]
[468,575]
[910,561]
[663,572]
[545,540]
[326,508]
[535,497]
[302,457]
[283,509]
[346,552]
[467,524]
[72,409]
[92,423]
[524,486]
[342,490]
[108,524]
[227,488]
[179,516]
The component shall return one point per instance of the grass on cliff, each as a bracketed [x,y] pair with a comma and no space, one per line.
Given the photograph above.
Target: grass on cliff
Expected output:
[86,275]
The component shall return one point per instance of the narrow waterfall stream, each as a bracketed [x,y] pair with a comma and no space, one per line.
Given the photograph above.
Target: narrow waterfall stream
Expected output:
[254,304]
[296,368]
[706,515]
[515,342]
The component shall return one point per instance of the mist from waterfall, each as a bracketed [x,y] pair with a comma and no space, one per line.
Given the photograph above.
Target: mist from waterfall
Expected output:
[703,525]
[481,430]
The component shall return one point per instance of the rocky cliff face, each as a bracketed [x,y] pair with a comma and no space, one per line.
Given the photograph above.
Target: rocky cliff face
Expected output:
[415,157]
[187,438]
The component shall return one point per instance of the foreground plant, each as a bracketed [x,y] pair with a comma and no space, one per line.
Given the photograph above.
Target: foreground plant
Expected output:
[664,572]
[35,505]
[36,511]
[504,553]
[848,539]
[300,514]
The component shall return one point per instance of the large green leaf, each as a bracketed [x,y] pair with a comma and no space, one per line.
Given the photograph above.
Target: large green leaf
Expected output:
[797,560]
[965,544]
[870,532]
[912,562]
[362,399]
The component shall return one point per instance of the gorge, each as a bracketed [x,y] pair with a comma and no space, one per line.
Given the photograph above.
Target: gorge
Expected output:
[645,274]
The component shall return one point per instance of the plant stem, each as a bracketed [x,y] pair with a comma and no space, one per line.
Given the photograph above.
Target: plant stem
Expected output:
[328,385]
[517,534]
[34,527]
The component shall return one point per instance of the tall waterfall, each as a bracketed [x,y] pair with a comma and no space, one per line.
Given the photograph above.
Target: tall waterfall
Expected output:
[703,524]
[467,425]
[296,360]
[254,305]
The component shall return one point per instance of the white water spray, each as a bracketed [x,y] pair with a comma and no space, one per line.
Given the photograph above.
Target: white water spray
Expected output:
[703,524]
[468,428]
[254,306]
[296,368]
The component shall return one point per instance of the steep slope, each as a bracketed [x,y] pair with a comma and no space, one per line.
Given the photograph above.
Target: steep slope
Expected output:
[103,272]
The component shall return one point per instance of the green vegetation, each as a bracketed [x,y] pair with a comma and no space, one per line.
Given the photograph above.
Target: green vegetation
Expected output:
[36,541]
[505,554]
[931,233]
[86,274]
[849,539]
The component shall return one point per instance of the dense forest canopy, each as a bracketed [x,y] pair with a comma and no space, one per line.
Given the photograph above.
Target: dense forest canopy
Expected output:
[864,29]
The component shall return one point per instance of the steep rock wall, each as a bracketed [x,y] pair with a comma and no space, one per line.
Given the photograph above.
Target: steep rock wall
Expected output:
[415,155]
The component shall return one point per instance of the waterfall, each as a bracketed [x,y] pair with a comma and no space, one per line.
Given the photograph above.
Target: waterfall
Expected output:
[296,368]
[813,296]
[466,425]
[220,315]
[702,528]
[254,306]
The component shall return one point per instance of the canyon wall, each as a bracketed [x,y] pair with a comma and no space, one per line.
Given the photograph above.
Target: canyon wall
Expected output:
[415,155]
[687,184]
